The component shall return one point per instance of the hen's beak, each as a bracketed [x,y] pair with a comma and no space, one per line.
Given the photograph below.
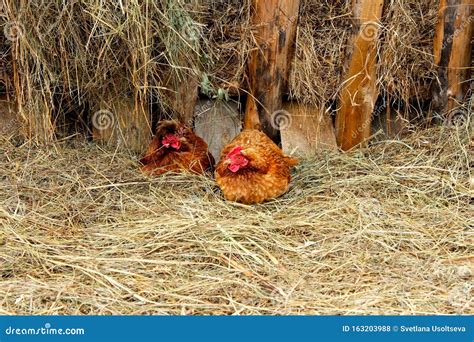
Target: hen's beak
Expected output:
[227,162]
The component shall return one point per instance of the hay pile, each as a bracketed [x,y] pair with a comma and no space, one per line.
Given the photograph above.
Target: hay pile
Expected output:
[70,56]
[405,61]
[62,58]
[387,230]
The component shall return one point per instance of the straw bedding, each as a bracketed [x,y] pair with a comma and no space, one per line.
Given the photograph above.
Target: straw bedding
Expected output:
[385,230]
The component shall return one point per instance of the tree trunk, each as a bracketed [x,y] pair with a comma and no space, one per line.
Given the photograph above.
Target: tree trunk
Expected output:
[452,53]
[269,65]
[359,93]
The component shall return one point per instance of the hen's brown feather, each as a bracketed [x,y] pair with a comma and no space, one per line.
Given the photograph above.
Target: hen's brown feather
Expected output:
[193,156]
[267,175]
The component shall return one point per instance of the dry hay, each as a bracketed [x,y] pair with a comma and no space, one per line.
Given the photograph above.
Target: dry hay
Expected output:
[386,230]
[71,55]
[405,62]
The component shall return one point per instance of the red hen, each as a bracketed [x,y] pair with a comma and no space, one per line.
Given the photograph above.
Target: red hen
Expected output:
[176,148]
[252,169]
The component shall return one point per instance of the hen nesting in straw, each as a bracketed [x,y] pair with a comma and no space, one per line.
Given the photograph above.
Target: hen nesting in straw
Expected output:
[176,148]
[252,169]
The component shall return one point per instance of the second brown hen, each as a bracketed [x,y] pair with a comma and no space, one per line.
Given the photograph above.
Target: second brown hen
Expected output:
[253,169]
[176,148]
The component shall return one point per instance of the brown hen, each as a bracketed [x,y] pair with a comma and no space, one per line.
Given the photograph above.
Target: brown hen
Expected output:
[252,169]
[176,148]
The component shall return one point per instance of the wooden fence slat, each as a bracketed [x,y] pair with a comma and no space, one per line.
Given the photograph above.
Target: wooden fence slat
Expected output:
[359,92]
[269,65]
[452,53]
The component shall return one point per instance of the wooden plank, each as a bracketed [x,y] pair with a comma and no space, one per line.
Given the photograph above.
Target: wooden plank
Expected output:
[9,123]
[452,53]
[122,122]
[269,65]
[359,92]
[217,122]
[308,130]
[181,95]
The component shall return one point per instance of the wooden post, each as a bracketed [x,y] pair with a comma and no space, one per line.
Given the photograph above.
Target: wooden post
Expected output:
[359,92]
[269,65]
[34,106]
[123,122]
[181,95]
[9,123]
[452,53]
[311,130]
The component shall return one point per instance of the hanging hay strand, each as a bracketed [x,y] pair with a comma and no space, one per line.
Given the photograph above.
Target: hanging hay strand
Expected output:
[385,230]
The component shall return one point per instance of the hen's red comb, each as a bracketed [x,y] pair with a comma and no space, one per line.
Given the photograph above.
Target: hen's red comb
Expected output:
[235,151]
[171,140]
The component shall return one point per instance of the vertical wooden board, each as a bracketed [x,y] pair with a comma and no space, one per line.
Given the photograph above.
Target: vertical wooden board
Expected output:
[359,91]
[9,120]
[123,122]
[217,122]
[35,111]
[269,64]
[308,130]
[181,96]
[452,55]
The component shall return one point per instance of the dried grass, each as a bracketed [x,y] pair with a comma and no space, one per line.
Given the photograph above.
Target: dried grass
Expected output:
[386,230]
[405,67]
[69,56]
